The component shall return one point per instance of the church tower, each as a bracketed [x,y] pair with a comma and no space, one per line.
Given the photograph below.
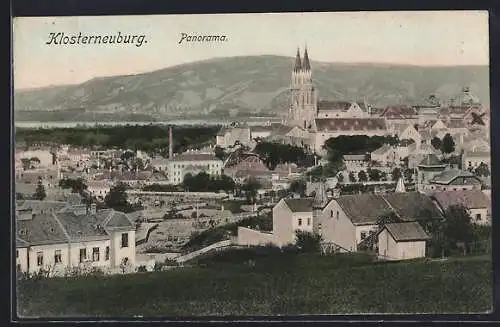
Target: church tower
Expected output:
[303,105]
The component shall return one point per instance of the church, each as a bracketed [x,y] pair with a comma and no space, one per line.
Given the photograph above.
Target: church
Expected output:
[324,119]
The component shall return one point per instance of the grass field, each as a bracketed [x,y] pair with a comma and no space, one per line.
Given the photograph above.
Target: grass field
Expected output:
[270,285]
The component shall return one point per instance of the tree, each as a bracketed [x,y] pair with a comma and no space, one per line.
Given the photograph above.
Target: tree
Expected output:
[408,174]
[352,177]
[374,174]
[117,198]
[482,170]
[396,173]
[219,153]
[251,187]
[40,193]
[307,241]
[448,144]
[298,186]
[362,177]
[436,143]
[26,163]
[457,228]
[340,177]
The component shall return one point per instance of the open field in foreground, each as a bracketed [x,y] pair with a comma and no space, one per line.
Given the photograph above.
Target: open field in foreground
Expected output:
[241,283]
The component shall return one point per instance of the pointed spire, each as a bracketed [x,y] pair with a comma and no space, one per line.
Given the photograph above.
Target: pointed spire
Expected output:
[400,186]
[306,65]
[298,63]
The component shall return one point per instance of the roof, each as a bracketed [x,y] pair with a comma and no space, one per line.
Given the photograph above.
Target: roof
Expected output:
[471,199]
[398,113]
[329,105]
[298,63]
[299,205]
[368,208]
[195,157]
[382,150]
[354,157]
[430,160]
[306,65]
[447,176]
[39,206]
[25,188]
[346,124]
[63,226]
[406,232]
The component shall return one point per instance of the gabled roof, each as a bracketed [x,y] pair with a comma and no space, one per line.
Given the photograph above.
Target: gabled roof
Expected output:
[195,157]
[447,176]
[398,113]
[471,199]
[382,150]
[38,206]
[41,229]
[329,105]
[346,124]
[412,205]
[300,205]
[406,232]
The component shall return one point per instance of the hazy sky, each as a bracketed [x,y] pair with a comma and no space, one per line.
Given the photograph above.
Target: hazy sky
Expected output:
[419,38]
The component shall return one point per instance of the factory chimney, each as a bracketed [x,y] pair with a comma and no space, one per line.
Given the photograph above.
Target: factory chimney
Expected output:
[170,143]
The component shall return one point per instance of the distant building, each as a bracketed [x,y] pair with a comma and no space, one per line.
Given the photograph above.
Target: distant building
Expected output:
[453,180]
[476,202]
[402,241]
[473,159]
[193,163]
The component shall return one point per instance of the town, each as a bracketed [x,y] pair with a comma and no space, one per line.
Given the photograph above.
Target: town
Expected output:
[332,177]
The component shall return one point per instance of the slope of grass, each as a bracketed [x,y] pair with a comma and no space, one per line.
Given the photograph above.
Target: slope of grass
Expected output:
[296,284]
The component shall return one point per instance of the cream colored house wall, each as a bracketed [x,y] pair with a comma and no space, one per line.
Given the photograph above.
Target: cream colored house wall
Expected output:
[74,259]
[176,169]
[247,236]
[485,216]
[340,231]
[364,229]
[282,224]
[410,250]
[117,252]
[22,259]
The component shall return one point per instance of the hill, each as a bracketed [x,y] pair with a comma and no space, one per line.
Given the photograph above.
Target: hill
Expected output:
[242,86]
[304,284]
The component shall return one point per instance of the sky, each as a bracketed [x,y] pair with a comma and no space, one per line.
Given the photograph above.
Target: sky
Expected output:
[418,38]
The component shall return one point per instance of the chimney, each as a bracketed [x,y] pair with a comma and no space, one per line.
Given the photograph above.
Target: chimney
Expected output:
[93,209]
[170,143]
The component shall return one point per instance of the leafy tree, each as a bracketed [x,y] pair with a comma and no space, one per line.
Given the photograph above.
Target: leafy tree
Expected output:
[117,198]
[362,176]
[26,163]
[219,153]
[448,144]
[436,143]
[408,174]
[352,177]
[374,174]
[482,170]
[127,155]
[40,193]
[383,176]
[457,228]
[307,241]
[340,177]
[76,185]
[298,186]
[251,187]
[396,173]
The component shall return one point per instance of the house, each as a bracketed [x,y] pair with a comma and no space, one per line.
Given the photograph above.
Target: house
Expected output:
[454,179]
[159,163]
[429,167]
[98,189]
[44,156]
[260,132]
[355,162]
[386,155]
[402,241]
[408,132]
[399,115]
[476,202]
[473,159]
[348,220]
[74,237]
[229,136]
[193,163]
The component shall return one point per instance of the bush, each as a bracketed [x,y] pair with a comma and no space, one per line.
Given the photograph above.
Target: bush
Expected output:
[308,242]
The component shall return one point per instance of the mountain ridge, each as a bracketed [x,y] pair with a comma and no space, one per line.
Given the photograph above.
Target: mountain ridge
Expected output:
[242,85]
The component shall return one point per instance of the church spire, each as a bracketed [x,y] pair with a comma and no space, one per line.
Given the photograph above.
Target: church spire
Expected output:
[306,65]
[298,63]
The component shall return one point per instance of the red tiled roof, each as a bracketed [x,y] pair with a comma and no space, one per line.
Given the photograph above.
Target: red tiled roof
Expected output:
[346,124]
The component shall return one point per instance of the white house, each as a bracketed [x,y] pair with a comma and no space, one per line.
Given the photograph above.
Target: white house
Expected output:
[74,237]
[453,180]
[228,137]
[193,163]
[386,155]
[290,215]
[43,155]
[402,241]
[473,159]
[99,189]
[476,202]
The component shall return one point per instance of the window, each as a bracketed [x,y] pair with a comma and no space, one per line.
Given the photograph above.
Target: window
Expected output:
[57,256]
[300,221]
[338,214]
[470,163]
[39,258]
[308,221]
[106,257]
[331,213]
[363,235]
[124,240]
[478,216]
[95,254]
[83,255]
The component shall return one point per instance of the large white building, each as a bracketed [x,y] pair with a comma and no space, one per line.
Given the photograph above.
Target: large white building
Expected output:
[193,163]
[58,238]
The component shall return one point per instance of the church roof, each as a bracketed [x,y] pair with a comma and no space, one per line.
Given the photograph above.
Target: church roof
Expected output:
[346,124]
[298,63]
[328,105]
